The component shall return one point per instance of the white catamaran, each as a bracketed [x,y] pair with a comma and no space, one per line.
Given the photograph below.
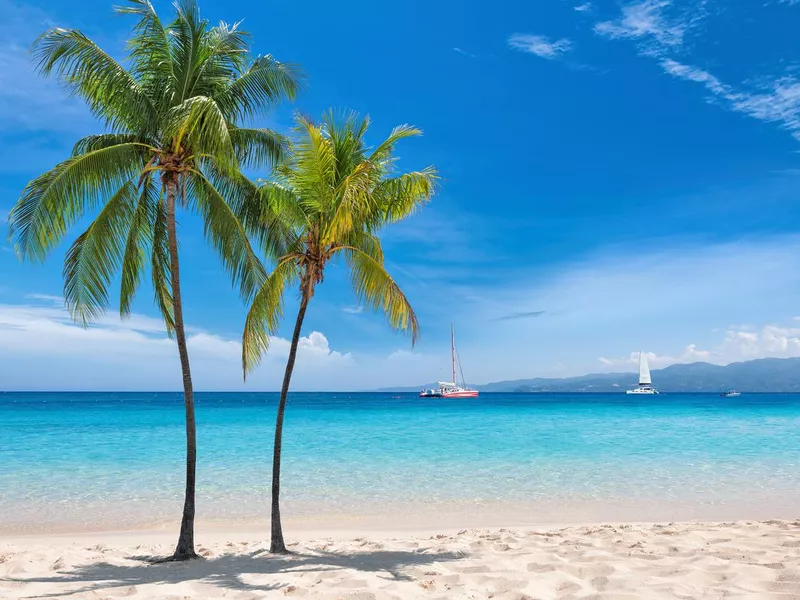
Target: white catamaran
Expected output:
[450,389]
[645,385]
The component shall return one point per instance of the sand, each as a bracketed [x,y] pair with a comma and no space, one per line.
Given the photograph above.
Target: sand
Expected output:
[744,559]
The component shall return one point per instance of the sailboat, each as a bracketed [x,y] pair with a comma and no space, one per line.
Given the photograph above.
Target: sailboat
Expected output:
[450,389]
[645,385]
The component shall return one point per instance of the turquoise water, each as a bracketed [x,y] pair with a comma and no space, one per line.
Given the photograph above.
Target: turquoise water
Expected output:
[116,459]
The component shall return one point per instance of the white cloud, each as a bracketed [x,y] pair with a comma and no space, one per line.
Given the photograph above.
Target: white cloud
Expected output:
[353,310]
[690,354]
[646,21]
[539,45]
[585,7]
[738,343]
[136,354]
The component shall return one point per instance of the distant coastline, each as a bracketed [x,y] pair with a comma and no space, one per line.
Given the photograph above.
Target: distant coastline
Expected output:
[765,375]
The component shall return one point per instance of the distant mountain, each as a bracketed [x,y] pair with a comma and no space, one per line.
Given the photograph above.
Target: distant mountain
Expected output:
[761,375]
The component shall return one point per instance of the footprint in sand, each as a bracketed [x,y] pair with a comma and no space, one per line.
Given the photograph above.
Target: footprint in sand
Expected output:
[540,568]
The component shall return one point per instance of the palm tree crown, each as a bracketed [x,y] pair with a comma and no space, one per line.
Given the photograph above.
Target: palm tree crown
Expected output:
[334,194]
[171,120]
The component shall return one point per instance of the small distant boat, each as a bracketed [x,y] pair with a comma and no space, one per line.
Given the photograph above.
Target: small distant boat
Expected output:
[450,389]
[730,394]
[645,385]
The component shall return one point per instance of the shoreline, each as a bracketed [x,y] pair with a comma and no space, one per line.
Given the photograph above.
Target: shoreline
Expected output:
[422,518]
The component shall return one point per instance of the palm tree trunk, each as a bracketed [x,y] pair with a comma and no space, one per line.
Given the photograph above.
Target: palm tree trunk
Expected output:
[185,548]
[277,544]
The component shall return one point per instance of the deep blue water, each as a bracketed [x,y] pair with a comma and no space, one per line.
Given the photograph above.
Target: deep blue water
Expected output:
[109,456]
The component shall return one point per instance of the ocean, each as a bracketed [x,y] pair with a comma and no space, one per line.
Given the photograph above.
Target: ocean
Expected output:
[115,460]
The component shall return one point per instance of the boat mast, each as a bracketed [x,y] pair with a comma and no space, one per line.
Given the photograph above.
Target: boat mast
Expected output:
[453,351]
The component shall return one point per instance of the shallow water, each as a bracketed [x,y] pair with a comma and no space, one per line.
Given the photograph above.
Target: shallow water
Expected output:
[116,459]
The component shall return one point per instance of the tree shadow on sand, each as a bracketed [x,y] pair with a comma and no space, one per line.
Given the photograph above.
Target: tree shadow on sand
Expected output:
[230,570]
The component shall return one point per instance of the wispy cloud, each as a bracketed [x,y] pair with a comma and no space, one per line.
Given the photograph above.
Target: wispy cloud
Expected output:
[50,299]
[521,315]
[353,310]
[647,21]
[659,30]
[777,102]
[540,45]
[695,74]
[464,53]
[585,7]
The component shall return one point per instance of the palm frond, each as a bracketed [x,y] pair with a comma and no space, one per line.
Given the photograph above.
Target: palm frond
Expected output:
[187,31]
[313,172]
[281,220]
[264,83]
[161,268]
[346,131]
[228,236]
[140,240]
[353,203]
[106,140]
[377,290]
[384,150]
[150,53]
[365,242]
[113,95]
[265,313]
[258,147]
[94,257]
[221,56]
[55,200]
[400,197]
[269,214]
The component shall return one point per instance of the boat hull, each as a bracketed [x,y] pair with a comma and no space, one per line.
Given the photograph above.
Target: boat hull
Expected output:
[643,392]
[461,394]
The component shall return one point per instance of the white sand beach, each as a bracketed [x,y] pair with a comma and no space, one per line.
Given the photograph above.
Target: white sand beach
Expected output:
[743,559]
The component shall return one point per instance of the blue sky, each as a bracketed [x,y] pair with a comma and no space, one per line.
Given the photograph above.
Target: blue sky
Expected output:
[616,176]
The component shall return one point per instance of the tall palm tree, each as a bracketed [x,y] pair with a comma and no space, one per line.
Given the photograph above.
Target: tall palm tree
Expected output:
[172,139]
[335,194]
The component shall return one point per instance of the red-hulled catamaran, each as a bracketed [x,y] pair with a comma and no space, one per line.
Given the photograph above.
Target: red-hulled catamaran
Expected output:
[451,389]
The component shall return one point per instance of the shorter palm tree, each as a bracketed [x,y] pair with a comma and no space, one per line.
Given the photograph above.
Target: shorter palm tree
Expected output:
[333,196]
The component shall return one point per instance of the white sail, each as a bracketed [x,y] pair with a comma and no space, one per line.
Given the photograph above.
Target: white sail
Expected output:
[644,370]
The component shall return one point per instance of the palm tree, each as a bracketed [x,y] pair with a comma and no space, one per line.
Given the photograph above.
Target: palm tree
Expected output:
[172,140]
[334,194]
